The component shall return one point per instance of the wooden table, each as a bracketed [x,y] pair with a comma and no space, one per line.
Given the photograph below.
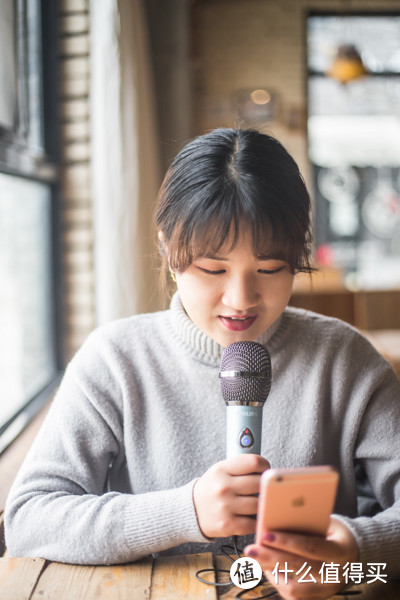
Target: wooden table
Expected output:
[164,578]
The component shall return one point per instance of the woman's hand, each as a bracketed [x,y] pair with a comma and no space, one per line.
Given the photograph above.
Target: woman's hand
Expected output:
[339,547]
[226,495]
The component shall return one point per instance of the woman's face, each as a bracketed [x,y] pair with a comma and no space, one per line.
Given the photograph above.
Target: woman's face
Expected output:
[234,295]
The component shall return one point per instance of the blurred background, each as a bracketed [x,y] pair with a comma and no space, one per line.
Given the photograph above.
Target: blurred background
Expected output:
[97,97]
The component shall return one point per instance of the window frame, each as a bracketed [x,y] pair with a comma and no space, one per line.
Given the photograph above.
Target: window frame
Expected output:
[315,74]
[343,14]
[19,157]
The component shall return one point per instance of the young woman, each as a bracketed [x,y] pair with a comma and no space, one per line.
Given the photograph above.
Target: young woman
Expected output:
[131,458]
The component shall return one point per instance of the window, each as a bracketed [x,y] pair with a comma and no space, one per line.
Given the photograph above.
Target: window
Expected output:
[29,340]
[354,147]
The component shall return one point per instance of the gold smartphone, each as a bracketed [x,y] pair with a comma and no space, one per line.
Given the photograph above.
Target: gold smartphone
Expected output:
[298,500]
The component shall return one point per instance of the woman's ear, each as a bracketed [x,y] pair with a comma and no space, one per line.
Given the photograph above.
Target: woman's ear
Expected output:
[162,246]
[164,252]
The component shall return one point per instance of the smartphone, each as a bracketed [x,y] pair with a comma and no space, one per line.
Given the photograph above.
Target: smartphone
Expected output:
[297,500]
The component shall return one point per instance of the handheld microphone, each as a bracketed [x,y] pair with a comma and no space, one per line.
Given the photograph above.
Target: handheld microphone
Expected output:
[245,379]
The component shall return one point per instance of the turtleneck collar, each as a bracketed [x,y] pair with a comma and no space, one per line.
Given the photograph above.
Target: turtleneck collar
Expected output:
[201,345]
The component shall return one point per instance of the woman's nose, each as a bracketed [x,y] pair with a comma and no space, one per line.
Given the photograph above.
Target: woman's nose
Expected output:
[240,293]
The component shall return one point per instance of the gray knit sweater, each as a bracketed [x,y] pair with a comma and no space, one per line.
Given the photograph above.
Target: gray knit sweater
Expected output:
[139,416]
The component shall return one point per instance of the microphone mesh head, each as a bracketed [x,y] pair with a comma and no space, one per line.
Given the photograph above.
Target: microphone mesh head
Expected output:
[245,373]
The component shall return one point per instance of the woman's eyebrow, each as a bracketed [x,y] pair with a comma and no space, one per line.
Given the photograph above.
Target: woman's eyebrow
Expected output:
[213,256]
[226,258]
[269,257]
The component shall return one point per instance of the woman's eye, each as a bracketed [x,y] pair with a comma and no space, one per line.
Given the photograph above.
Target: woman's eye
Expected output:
[210,272]
[270,271]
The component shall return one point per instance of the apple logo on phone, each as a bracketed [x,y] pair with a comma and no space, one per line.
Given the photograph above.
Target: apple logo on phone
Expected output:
[298,502]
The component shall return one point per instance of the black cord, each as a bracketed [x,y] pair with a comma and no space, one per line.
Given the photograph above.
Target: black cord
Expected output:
[225,549]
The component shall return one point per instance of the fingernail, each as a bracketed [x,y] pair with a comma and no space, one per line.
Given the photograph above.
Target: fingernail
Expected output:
[251,552]
[269,537]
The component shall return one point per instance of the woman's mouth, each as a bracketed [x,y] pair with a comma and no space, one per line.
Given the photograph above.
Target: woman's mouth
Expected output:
[238,322]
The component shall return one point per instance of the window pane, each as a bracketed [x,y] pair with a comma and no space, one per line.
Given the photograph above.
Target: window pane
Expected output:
[8,70]
[377,38]
[34,60]
[26,309]
[357,124]
[354,147]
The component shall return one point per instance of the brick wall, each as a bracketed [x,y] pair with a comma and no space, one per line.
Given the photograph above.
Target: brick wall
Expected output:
[76,201]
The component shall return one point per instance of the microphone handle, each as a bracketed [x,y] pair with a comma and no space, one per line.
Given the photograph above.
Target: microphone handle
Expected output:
[243,429]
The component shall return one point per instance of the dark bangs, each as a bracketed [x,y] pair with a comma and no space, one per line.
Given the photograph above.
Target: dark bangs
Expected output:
[210,225]
[231,182]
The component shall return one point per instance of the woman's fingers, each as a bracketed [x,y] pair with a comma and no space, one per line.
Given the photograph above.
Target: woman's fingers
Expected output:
[312,547]
[246,485]
[296,564]
[244,505]
[226,493]
[297,577]
[339,542]
[245,464]
[269,557]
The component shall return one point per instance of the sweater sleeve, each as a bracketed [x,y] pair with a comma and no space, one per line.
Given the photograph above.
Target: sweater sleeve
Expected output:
[59,507]
[378,450]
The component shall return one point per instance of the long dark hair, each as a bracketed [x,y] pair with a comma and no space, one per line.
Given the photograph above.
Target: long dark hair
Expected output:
[227,180]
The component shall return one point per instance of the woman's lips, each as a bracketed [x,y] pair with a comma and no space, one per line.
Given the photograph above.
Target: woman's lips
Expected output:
[238,323]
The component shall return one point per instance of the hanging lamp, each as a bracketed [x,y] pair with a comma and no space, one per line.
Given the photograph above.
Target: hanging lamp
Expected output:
[347,64]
